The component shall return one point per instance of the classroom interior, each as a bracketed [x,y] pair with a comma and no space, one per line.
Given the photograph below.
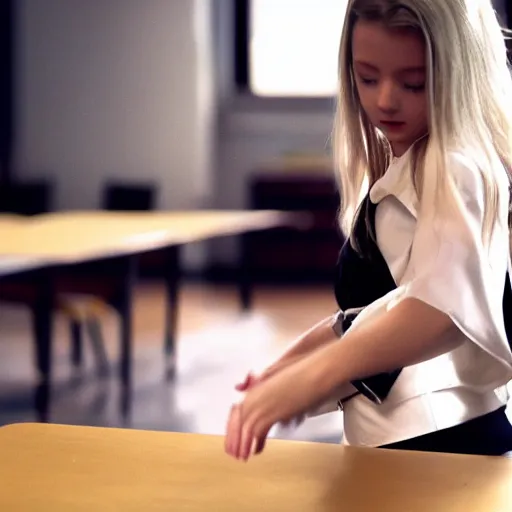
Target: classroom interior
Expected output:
[164,106]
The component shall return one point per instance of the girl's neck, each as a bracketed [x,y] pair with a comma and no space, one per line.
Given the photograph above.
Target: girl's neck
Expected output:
[400,149]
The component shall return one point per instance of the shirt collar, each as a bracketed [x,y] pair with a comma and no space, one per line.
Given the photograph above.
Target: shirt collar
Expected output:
[397,181]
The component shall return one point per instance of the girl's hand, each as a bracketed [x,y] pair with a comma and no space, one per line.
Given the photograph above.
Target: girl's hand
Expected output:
[281,398]
[248,383]
[251,379]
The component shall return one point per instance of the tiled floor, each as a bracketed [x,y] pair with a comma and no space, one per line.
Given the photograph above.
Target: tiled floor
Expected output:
[217,345]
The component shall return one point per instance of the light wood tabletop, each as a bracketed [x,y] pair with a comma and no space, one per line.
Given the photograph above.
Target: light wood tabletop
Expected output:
[76,236]
[64,468]
[13,264]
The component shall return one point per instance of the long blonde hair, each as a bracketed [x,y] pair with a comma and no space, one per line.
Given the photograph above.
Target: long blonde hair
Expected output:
[469,86]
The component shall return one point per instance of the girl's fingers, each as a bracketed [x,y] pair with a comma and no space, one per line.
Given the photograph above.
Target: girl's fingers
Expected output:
[242,386]
[253,441]
[260,444]
[233,433]
[227,437]
[246,443]
[249,381]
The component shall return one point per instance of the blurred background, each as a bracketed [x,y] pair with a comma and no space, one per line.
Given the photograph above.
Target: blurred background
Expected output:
[173,108]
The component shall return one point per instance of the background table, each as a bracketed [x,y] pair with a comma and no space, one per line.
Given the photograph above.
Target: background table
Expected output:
[97,253]
[78,236]
[68,469]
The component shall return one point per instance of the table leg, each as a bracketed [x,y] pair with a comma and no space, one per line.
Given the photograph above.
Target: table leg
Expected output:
[42,323]
[172,283]
[124,305]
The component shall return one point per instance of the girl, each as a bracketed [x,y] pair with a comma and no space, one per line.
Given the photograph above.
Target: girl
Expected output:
[418,355]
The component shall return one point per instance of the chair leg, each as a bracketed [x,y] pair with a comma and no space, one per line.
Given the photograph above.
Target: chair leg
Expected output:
[76,343]
[94,330]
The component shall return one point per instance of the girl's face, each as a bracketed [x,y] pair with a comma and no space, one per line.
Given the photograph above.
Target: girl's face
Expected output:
[390,75]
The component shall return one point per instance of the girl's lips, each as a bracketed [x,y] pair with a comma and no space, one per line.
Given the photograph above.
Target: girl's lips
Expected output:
[392,124]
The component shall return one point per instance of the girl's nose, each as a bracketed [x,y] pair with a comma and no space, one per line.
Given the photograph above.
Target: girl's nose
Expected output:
[388,99]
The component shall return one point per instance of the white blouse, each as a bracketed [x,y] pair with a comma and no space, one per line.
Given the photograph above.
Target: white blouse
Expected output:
[448,267]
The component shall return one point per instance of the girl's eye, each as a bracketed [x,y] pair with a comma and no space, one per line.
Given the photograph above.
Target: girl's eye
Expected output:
[409,87]
[415,87]
[368,81]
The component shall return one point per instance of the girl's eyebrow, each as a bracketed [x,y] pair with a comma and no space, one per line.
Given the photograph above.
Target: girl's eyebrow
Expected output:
[408,69]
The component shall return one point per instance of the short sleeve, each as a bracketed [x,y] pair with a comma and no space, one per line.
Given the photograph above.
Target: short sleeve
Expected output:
[455,270]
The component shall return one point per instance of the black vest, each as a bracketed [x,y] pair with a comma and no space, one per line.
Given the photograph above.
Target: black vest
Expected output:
[363,276]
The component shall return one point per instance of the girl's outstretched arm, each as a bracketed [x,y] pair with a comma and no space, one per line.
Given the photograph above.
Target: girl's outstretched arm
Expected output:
[409,333]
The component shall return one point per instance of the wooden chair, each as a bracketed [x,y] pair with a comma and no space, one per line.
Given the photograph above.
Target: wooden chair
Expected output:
[26,198]
[128,197]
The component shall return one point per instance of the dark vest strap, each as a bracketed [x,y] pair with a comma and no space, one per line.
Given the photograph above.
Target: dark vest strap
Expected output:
[363,277]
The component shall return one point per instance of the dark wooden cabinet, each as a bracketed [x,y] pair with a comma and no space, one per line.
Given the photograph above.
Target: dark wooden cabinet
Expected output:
[306,255]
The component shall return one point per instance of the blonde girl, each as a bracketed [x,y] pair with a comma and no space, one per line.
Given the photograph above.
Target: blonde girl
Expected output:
[418,354]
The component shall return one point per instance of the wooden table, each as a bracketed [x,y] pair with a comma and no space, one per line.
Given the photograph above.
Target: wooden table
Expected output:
[53,248]
[68,469]
[69,237]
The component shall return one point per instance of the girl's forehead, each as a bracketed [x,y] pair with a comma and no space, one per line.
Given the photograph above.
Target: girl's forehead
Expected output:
[375,43]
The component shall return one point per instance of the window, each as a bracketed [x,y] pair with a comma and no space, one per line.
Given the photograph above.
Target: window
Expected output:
[292,47]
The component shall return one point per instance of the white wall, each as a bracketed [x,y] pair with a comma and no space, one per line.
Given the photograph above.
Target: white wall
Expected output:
[115,89]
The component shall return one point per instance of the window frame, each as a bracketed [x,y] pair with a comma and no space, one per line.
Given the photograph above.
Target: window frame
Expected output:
[241,30]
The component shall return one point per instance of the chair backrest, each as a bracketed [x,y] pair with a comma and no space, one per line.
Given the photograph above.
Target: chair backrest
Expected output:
[128,197]
[28,198]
